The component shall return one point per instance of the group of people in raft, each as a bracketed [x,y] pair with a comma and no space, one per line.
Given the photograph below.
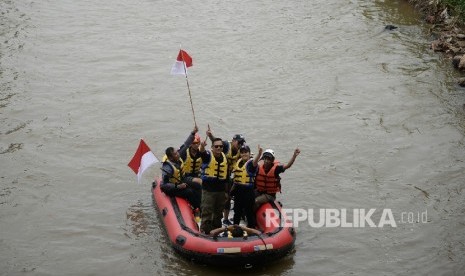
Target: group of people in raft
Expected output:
[208,179]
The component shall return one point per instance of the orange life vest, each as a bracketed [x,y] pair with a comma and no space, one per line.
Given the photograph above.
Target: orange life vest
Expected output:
[268,182]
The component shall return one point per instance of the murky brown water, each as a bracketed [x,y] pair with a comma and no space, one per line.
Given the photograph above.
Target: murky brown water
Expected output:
[375,113]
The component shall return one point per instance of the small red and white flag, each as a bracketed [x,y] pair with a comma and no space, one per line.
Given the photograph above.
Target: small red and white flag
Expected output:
[142,159]
[183,61]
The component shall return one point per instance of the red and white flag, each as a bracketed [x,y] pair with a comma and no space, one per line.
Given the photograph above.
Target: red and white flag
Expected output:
[142,159]
[183,61]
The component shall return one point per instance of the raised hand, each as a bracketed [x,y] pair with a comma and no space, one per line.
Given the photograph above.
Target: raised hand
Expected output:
[209,132]
[260,150]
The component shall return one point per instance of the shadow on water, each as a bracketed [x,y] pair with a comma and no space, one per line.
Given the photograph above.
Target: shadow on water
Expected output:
[280,267]
[181,265]
[137,221]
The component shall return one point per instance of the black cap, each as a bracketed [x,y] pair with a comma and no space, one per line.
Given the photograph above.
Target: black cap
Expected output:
[244,148]
[239,138]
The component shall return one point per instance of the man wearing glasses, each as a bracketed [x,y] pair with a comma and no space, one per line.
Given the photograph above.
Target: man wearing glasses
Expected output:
[214,174]
[231,150]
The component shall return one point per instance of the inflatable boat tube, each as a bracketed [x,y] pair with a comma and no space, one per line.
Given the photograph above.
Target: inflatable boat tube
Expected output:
[276,241]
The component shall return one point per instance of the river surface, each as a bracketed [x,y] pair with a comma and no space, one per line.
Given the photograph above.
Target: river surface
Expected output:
[375,113]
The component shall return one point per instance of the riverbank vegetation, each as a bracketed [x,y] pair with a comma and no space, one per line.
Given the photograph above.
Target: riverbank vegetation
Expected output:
[442,11]
[457,7]
[447,20]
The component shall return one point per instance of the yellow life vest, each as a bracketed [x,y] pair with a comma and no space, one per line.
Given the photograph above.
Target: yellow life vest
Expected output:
[214,169]
[165,157]
[241,176]
[191,165]
[178,174]
[232,159]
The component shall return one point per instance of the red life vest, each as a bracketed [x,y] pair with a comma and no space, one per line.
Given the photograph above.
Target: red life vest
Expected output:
[268,182]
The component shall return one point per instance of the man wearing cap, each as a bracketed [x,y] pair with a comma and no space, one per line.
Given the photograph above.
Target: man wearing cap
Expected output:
[267,179]
[231,150]
[243,188]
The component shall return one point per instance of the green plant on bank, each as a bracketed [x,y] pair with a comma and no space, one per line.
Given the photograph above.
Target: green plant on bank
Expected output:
[456,8]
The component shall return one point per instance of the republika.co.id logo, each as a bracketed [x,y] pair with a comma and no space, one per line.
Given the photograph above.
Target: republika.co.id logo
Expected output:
[355,218]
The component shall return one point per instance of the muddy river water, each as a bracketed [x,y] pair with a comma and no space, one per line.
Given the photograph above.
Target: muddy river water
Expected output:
[375,113]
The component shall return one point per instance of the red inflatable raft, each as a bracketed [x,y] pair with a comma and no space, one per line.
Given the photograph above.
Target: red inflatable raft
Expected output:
[276,241]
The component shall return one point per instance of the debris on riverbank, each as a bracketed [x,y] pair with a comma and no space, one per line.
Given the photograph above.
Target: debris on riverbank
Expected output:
[448,30]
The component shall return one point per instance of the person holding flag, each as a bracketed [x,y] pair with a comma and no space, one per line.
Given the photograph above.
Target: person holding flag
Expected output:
[174,181]
[191,158]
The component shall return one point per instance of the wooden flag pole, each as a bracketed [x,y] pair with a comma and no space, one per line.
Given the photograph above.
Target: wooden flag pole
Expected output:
[188,88]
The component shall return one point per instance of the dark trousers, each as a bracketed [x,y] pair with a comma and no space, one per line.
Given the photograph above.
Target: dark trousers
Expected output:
[212,210]
[244,199]
[262,198]
[190,194]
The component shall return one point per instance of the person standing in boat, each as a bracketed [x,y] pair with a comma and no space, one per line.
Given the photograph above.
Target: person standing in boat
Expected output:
[243,188]
[191,158]
[267,179]
[174,181]
[214,174]
[231,150]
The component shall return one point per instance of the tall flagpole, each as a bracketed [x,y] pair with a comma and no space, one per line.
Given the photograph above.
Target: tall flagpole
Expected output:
[187,82]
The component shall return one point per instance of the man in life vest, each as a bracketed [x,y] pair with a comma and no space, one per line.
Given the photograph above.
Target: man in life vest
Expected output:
[243,188]
[174,181]
[214,174]
[231,150]
[267,179]
[191,158]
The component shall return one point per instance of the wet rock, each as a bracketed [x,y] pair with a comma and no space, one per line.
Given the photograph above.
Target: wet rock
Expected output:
[431,19]
[461,65]
[435,45]
[461,43]
[440,46]
[461,82]
[390,27]
[444,15]
[456,61]
[459,62]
